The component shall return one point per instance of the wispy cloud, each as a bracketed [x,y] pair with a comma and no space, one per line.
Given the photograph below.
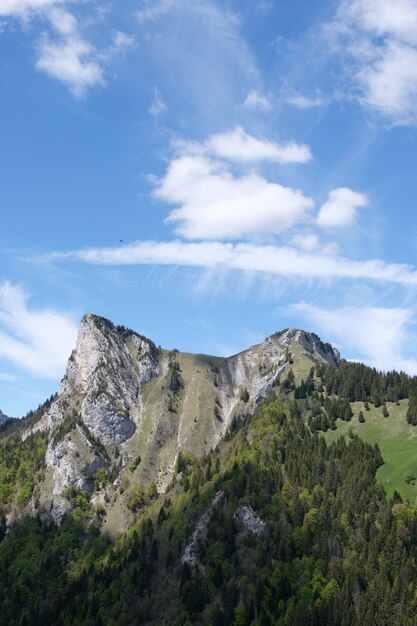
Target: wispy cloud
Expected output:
[257,101]
[158,106]
[378,336]
[7,377]
[24,8]
[152,9]
[272,260]
[71,62]
[200,55]
[305,102]
[36,341]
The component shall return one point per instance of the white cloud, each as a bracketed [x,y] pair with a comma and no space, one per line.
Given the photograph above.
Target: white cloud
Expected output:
[311,243]
[304,102]
[158,106]
[378,336]
[341,208]
[152,9]
[122,41]
[272,260]
[214,204]
[380,36]
[37,341]
[71,61]
[390,83]
[63,21]
[23,8]
[238,145]
[384,17]
[257,101]
[63,53]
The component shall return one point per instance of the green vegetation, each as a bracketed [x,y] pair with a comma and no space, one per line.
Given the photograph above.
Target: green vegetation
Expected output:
[332,531]
[21,465]
[332,551]
[396,439]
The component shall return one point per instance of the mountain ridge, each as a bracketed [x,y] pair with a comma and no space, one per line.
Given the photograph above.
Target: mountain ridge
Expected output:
[3,418]
[123,398]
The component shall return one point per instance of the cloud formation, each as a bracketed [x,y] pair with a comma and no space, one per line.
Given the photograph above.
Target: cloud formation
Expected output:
[304,102]
[37,341]
[237,145]
[62,51]
[340,209]
[23,8]
[273,260]
[151,11]
[158,106]
[380,37]
[71,62]
[215,204]
[378,336]
[257,101]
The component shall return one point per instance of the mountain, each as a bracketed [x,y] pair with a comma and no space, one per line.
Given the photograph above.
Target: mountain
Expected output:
[125,402]
[3,419]
[192,489]
[272,527]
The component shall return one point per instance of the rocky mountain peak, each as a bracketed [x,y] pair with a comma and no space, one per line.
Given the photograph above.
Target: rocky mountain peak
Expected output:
[125,403]
[314,348]
[103,379]
[4,418]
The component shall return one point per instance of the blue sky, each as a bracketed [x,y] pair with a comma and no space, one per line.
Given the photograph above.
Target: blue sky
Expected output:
[206,172]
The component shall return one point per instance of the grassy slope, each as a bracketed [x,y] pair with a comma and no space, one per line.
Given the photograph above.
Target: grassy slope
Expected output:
[396,439]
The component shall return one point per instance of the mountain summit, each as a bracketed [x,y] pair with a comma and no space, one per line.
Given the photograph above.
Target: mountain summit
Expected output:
[124,402]
[3,419]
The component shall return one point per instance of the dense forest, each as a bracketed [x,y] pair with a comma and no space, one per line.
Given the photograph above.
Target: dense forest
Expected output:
[273,527]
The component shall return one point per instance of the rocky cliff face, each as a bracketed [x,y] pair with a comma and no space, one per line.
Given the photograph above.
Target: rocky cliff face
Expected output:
[3,419]
[128,407]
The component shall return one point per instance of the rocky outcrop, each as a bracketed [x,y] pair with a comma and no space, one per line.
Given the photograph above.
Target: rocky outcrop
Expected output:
[250,522]
[190,553]
[103,380]
[4,419]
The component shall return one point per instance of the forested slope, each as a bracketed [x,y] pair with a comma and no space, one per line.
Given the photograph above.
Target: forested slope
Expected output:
[272,527]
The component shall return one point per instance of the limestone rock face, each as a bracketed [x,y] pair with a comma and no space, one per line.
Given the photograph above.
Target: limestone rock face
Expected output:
[250,521]
[4,418]
[103,379]
[124,403]
[260,368]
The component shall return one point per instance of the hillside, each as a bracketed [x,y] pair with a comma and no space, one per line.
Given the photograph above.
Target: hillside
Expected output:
[272,527]
[166,488]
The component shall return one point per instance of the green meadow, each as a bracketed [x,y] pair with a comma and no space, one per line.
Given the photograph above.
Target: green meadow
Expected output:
[397,441]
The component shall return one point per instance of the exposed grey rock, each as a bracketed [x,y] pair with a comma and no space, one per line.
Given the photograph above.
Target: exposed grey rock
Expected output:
[250,521]
[4,418]
[59,506]
[189,554]
[72,462]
